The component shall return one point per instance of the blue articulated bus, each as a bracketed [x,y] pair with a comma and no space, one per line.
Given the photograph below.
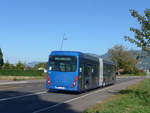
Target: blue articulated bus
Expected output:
[76,71]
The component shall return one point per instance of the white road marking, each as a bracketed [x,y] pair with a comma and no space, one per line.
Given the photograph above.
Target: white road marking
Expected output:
[11,98]
[18,82]
[68,101]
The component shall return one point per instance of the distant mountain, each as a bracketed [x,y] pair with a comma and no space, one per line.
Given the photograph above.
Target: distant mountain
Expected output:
[144,61]
[32,64]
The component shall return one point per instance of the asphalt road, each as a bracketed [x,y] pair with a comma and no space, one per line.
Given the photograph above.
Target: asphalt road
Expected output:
[34,98]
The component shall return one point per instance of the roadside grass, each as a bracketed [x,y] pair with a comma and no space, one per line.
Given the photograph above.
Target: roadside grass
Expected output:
[134,99]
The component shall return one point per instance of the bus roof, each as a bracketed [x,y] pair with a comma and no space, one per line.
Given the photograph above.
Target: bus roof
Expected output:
[99,57]
[77,53]
[53,53]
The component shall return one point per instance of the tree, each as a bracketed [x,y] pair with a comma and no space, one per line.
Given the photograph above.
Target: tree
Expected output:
[1,59]
[123,58]
[12,67]
[20,66]
[6,65]
[142,35]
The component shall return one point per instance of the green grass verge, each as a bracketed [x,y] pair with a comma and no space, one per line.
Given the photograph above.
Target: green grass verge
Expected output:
[135,99]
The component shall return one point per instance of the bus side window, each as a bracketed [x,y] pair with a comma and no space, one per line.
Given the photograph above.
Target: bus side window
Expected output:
[95,70]
[85,70]
[90,69]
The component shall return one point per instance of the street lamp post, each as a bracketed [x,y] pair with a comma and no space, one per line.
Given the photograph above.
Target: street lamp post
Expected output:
[62,42]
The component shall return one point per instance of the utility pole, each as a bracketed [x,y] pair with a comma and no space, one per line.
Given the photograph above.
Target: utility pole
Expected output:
[62,42]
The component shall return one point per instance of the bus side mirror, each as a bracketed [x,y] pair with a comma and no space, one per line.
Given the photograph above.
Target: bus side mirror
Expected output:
[50,68]
[80,69]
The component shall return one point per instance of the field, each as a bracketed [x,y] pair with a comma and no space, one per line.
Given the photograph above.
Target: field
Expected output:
[135,99]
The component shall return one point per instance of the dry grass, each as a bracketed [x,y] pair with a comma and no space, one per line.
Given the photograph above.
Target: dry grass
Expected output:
[18,78]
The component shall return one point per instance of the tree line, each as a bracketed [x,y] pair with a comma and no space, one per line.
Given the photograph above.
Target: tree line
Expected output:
[19,65]
[22,66]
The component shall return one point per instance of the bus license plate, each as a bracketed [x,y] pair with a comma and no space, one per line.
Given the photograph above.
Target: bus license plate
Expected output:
[60,87]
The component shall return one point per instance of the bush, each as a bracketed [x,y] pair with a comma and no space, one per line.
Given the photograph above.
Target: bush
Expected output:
[21,73]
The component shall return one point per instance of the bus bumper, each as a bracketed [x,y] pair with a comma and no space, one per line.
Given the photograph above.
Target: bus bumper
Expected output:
[62,88]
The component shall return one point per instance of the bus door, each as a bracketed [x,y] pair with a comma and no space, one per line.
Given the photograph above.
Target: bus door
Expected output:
[87,76]
[81,80]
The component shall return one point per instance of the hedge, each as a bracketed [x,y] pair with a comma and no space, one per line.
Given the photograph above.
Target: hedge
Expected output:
[21,73]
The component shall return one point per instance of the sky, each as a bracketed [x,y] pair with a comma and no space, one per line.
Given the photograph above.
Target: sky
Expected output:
[31,29]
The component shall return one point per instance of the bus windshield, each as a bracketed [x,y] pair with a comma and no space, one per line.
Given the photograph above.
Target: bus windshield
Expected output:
[63,63]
